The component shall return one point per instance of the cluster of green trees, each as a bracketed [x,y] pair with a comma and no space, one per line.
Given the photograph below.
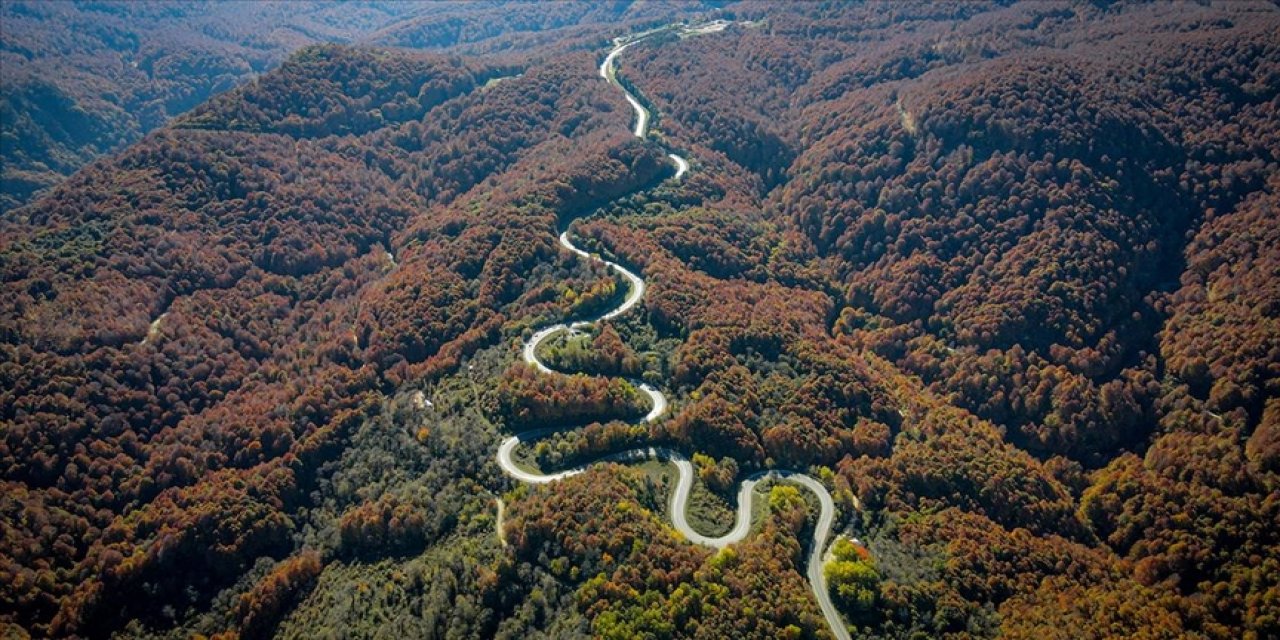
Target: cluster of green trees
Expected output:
[600,352]
[852,577]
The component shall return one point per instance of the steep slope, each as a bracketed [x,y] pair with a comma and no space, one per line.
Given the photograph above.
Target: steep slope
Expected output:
[85,79]
[1012,229]
[265,255]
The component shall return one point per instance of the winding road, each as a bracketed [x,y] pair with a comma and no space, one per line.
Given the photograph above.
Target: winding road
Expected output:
[154,328]
[678,506]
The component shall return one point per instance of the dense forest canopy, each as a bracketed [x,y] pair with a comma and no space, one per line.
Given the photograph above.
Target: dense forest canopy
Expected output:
[85,78]
[1003,277]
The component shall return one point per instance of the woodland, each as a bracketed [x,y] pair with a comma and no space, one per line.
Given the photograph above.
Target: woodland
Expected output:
[87,78]
[1004,277]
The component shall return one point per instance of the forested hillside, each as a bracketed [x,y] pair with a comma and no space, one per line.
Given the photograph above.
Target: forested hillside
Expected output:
[1004,278]
[84,79]
[1041,238]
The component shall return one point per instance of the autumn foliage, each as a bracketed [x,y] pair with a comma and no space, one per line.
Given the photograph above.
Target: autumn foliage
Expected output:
[1004,277]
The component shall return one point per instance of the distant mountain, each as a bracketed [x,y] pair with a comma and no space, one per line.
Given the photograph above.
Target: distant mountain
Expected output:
[86,78]
[82,79]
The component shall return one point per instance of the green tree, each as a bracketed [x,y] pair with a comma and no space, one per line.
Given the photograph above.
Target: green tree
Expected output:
[852,577]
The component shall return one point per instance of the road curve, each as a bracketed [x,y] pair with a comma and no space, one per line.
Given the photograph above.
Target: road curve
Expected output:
[679,501]
[154,328]
[682,167]
[609,72]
